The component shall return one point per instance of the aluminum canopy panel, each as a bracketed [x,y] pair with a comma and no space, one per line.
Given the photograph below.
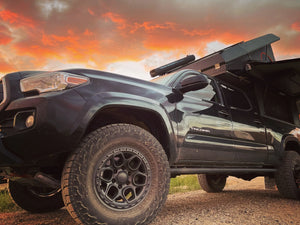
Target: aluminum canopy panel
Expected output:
[234,58]
[244,48]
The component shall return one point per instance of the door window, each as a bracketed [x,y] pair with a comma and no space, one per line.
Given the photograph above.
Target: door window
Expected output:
[235,98]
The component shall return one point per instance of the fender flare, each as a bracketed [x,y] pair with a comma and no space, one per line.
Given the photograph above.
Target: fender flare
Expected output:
[114,99]
[287,139]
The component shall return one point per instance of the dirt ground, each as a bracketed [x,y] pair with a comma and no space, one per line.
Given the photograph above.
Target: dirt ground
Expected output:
[241,202]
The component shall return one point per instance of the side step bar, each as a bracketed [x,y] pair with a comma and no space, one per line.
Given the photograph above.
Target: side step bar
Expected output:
[229,171]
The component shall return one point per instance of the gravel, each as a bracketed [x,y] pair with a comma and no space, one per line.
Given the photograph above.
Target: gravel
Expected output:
[241,202]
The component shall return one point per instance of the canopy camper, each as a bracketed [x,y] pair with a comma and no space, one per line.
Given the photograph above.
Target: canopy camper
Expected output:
[246,63]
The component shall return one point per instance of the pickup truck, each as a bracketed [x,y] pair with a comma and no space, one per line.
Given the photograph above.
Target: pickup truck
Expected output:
[105,145]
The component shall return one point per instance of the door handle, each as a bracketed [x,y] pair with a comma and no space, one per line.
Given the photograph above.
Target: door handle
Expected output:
[258,122]
[224,113]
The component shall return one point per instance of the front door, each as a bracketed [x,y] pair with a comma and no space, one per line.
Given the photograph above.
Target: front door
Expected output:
[204,128]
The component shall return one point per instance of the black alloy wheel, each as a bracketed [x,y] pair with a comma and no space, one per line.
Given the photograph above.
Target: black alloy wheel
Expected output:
[118,175]
[123,179]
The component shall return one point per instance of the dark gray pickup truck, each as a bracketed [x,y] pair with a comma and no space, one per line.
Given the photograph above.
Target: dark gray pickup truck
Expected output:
[106,145]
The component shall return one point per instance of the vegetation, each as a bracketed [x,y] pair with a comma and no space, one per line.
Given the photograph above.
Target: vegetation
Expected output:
[184,183]
[6,203]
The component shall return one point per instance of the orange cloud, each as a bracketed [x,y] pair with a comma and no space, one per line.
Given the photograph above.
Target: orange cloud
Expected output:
[296,26]
[5,35]
[91,12]
[150,26]
[4,39]
[5,67]
[117,19]
[196,32]
[232,38]
[74,46]
[88,33]
[16,19]
[99,33]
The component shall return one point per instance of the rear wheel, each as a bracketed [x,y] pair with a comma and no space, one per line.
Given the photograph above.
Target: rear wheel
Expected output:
[212,183]
[35,199]
[287,176]
[270,183]
[119,175]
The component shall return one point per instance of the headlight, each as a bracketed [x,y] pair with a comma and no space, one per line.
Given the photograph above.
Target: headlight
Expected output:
[51,81]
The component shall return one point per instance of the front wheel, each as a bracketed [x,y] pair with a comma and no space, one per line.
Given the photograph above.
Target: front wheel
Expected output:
[118,175]
[212,183]
[35,199]
[287,176]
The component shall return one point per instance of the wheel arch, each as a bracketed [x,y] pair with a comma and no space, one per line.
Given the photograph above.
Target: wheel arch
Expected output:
[154,121]
[290,143]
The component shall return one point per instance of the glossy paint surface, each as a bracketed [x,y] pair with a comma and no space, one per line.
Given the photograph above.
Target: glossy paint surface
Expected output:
[201,129]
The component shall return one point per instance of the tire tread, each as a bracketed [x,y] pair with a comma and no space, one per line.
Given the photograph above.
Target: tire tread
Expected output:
[73,196]
[284,176]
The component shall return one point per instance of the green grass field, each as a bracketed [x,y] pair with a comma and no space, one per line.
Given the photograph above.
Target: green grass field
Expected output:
[183,183]
[6,204]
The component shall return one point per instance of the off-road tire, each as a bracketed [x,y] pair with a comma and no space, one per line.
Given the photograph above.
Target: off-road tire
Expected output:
[287,174]
[91,178]
[270,183]
[35,199]
[212,183]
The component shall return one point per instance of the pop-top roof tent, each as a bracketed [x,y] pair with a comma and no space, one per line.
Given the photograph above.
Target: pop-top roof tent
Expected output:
[253,58]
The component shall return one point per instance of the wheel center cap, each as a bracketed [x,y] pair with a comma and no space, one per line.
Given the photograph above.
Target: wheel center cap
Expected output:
[122,177]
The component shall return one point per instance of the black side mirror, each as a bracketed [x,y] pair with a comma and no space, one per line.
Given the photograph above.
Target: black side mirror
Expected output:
[193,83]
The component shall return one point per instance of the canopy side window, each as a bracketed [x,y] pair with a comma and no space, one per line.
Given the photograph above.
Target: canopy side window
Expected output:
[277,105]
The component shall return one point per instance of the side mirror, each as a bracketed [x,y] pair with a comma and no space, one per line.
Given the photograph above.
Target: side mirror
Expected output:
[193,83]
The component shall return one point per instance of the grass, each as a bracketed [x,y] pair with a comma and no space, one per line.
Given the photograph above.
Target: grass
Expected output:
[184,183]
[6,204]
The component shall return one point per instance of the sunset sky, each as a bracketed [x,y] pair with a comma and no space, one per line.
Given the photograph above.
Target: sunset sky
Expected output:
[133,36]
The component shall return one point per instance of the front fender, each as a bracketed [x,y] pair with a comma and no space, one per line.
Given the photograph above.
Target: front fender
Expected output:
[102,101]
[290,142]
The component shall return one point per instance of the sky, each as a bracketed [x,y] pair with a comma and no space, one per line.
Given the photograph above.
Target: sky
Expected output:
[131,37]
